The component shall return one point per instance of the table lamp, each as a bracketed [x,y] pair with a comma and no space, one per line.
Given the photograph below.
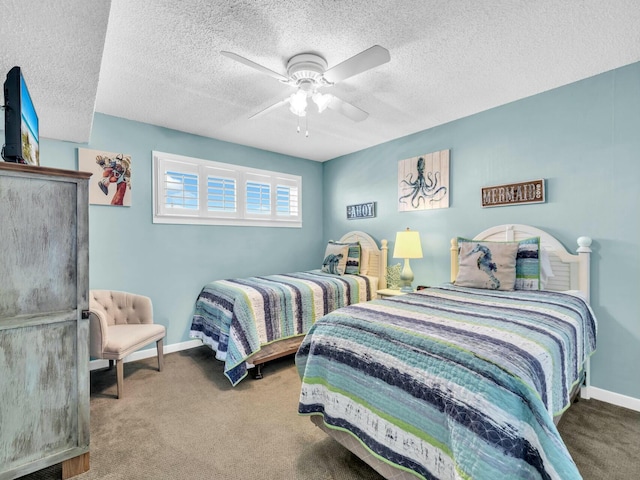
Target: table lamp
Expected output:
[407,246]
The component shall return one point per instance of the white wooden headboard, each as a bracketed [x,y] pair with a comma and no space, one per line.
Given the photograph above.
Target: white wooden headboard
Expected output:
[377,255]
[571,272]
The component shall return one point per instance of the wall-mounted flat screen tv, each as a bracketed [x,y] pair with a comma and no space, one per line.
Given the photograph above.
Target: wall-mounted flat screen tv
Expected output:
[20,121]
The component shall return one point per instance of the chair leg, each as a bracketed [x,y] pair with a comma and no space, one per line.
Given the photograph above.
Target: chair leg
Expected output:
[160,355]
[120,376]
[110,364]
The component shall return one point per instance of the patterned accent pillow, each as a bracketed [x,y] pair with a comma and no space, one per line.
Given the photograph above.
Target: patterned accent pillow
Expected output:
[335,258]
[528,264]
[353,259]
[489,265]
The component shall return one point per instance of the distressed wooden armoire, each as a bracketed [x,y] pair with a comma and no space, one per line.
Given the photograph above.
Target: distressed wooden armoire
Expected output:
[44,299]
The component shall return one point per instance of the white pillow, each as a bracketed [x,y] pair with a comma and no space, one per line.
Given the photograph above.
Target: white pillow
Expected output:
[546,271]
[364,261]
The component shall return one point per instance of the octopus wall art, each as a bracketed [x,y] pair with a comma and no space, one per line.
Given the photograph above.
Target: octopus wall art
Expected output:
[423,182]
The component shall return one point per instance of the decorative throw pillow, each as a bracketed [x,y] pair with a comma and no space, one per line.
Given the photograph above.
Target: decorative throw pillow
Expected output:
[490,265]
[528,264]
[335,258]
[546,271]
[353,259]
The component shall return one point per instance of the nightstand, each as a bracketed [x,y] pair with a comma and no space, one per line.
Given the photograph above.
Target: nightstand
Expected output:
[387,292]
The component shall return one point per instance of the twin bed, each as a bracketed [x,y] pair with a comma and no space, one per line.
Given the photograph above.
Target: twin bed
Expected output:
[456,382]
[251,321]
[448,382]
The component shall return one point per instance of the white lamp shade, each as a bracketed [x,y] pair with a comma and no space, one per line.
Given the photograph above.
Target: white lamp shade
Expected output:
[322,101]
[298,103]
[407,245]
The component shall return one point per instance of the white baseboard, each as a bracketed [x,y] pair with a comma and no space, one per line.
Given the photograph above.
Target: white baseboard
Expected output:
[593,392]
[615,398]
[148,353]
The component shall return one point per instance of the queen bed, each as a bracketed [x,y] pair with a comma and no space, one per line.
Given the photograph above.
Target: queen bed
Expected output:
[250,321]
[457,381]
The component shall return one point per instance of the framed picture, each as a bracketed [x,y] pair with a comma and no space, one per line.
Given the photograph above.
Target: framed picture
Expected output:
[423,182]
[110,183]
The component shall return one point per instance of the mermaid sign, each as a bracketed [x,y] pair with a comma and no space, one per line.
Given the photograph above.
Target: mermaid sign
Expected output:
[423,182]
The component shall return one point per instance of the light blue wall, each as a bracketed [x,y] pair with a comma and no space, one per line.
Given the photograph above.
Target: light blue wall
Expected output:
[171,263]
[584,139]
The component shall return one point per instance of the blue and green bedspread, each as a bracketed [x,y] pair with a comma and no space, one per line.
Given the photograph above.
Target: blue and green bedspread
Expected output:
[236,317]
[452,382]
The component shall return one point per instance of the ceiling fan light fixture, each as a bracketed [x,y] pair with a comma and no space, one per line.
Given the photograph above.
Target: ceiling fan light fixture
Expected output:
[298,103]
[307,72]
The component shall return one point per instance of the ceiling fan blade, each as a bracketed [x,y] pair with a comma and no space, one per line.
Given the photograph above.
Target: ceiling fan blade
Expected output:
[270,109]
[350,111]
[363,61]
[258,67]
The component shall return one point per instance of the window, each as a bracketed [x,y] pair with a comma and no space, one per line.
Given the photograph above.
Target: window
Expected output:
[182,190]
[258,198]
[286,200]
[190,190]
[221,194]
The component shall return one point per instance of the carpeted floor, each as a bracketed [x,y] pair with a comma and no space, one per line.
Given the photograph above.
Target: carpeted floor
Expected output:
[187,422]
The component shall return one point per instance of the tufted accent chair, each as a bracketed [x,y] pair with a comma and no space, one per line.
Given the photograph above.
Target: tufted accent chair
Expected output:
[120,324]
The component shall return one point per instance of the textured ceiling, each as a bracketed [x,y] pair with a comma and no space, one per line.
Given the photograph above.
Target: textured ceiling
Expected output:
[159,62]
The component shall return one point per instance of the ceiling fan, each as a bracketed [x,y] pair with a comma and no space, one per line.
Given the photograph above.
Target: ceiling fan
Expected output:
[308,73]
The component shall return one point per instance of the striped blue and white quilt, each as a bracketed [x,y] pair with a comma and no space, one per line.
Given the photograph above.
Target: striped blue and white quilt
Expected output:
[236,317]
[452,382]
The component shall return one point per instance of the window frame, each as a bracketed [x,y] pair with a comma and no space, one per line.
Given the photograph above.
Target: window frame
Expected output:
[208,168]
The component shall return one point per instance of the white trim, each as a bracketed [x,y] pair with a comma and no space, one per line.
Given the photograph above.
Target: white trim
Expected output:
[250,222]
[148,353]
[613,398]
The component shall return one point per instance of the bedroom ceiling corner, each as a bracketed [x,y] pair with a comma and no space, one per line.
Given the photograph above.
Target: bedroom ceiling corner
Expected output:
[59,47]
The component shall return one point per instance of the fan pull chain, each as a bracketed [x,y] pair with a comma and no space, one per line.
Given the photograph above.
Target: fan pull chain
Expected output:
[298,129]
[306,119]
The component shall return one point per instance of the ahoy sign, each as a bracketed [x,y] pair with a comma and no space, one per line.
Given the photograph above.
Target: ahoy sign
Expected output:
[362,210]
[513,194]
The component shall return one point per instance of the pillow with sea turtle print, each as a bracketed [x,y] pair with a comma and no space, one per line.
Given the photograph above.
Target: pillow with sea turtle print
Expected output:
[335,258]
[488,265]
